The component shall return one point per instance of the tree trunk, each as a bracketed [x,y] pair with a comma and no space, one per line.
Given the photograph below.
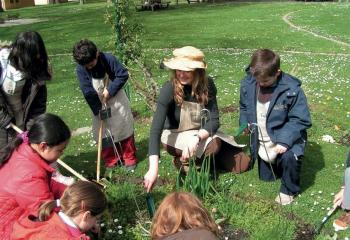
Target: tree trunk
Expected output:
[82,1]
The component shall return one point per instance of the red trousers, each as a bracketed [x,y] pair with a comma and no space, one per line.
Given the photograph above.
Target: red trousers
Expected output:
[126,153]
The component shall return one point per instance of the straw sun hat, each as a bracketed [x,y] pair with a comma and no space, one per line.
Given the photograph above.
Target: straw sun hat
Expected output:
[186,59]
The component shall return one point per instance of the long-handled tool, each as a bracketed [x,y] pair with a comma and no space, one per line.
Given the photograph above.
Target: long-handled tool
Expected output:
[99,150]
[326,218]
[59,161]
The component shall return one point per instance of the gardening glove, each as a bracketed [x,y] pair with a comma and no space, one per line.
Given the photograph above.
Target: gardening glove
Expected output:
[338,198]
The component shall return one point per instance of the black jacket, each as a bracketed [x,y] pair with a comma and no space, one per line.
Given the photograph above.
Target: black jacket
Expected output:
[34,98]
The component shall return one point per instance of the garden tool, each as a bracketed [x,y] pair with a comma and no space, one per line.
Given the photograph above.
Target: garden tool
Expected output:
[241,129]
[105,112]
[99,150]
[326,218]
[59,161]
[150,205]
[108,141]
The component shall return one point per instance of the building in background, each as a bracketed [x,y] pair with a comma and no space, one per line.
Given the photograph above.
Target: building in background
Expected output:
[44,2]
[11,4]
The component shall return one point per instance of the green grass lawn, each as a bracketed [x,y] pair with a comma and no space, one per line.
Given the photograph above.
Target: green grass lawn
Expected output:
[228,33]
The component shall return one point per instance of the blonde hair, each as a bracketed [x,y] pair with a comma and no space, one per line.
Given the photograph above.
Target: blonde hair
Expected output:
[81,196]
[199,87]
[180,211]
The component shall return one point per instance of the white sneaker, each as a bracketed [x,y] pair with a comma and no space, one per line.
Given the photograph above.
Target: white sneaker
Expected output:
[58,177]
[284,199]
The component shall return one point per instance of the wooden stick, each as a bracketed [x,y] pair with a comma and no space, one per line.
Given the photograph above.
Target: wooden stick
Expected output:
[99,150]
[59,161]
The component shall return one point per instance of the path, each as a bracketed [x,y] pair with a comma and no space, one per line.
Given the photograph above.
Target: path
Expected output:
[237,51]
[286,18]
[15,22]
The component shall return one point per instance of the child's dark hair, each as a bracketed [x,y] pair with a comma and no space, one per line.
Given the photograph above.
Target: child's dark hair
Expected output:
[264,63]
[28,55]
[81,196]
[47,128]
[84,51]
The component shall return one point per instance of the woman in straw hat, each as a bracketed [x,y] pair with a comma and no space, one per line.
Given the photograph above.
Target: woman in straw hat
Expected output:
[178,121]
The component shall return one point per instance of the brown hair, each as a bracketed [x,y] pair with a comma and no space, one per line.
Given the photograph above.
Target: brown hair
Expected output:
[79,197]
[264,63]
[199,87]
[180,211]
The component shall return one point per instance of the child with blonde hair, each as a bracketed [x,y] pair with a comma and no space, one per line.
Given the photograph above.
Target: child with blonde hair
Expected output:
[68,218]
[182,216]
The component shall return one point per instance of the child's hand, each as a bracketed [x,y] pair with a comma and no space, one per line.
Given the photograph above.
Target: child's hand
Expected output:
[338,198]
[246,131]
[105,96]
[280,149]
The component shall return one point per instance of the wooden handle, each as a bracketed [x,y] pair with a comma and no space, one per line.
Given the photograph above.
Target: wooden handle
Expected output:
[59,161]
[99,150]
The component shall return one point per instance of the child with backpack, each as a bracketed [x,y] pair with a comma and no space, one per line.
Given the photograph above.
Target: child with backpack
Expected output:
[25,170]
[68,218]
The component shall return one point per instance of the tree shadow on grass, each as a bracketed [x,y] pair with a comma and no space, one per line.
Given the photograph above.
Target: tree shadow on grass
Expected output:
[312,163]
[85,163]
[142,149]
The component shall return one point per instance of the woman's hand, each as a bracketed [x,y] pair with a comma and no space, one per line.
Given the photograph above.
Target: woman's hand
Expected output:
[152,174]
[338,198]
[149,179]
[191,148]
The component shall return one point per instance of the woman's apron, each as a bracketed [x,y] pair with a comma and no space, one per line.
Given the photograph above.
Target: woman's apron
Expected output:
[190,123]
[121,122]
